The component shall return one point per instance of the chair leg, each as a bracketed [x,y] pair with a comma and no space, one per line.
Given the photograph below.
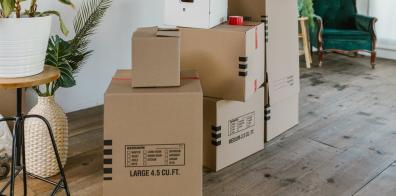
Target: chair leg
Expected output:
[373,59]
[320,53]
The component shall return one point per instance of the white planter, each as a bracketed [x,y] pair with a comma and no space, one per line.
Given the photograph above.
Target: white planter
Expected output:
[23,45]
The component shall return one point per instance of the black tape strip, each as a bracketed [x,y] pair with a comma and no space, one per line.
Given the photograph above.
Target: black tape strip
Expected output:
[107,152]
[216,129]
[107,170]
[243,66]
[216,143]
[243,59]
[243,74]
[108,161]
[107,178]
[267,118]
[108,142]
[216,136]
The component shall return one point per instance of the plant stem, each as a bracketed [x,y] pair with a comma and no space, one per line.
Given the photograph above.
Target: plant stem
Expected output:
[48,93]
[18,8]
[33,8]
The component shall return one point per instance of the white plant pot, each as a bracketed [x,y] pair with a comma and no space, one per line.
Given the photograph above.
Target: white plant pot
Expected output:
[23,45]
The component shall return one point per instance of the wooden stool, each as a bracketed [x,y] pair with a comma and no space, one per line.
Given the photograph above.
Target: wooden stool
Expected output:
[49,74]
[304,36]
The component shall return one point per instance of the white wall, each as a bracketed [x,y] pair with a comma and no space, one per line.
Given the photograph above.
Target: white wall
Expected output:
[112,45]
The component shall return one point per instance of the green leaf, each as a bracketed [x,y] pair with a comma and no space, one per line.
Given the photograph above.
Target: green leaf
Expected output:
[86,22]
[7,6]
[63,27]
[58,54]
[67,2]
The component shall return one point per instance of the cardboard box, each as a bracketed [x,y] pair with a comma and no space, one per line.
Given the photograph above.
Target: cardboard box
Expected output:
[229,59]
[195,13]
[282,66]
[232,130]
[156,57]
[282,52]
[153,138]
[253,10]
[8,103]
[284,115]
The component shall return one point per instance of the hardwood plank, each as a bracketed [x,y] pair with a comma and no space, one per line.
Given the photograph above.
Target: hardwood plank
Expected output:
[384,184]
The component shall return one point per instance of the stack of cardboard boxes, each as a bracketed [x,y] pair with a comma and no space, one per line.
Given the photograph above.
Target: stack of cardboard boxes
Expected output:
[161,126]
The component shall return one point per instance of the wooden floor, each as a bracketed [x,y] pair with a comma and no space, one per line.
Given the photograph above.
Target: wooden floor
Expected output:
[344,145]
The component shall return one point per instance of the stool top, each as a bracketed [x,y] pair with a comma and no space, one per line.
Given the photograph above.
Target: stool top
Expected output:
[49,74]
[303,18]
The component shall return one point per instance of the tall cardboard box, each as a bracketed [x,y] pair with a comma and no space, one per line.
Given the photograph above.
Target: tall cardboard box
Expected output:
[229,59]
[195,13]
[233,130]
[156,57]
[153,138]
[253,10]
[283,65]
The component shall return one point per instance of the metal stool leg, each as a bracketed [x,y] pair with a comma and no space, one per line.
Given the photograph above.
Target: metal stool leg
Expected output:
[14,158]
[22,128]
[63,176]
[6,120]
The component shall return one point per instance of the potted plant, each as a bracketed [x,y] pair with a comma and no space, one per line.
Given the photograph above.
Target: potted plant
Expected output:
[69,57]
[305,9]
[24,37]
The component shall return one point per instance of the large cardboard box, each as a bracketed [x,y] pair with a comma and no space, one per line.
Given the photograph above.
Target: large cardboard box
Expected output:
[229,59]
[153,138]
[195,13]
[156,57]
[282,66]
[233,130]
[253,10]
[284,115]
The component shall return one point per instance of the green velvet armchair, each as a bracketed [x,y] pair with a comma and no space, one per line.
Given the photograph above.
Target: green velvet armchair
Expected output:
[339,28]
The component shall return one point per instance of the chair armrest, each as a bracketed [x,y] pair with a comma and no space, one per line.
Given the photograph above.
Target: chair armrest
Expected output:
[317,31]
[365,23]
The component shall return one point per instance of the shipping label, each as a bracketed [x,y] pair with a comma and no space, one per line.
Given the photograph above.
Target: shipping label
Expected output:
[154,155]
[241,123]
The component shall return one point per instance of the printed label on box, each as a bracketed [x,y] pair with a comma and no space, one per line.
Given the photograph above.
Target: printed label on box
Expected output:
[241,123]
[153,155]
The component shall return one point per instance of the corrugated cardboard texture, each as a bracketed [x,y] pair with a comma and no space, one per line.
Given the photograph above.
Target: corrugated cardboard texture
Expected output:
[196,14]
[155,58]
[253,9]
[153,138]
[232,130]
[219,56]
[284,115]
